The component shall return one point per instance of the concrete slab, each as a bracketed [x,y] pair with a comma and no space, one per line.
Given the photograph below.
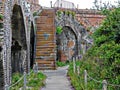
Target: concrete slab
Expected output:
[57,79]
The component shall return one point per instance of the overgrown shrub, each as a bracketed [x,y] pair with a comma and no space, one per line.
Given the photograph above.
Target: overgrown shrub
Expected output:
[102,61]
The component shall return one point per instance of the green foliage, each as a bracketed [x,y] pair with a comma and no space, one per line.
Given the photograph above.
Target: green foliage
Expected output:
[59,30]
[102,61]
[59,13]
[110,28]
[67,12]
[78,80]
[94,70]
[70,13]
[1,23]
[60,64]
[73,14]
[107,38]
[35,14]
[105,12]
[34,81]
[15,78]
[1,17]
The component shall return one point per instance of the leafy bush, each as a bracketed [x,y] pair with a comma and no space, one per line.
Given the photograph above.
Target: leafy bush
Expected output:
[78,80]
[95,71]
[110,28]
[107,40]
[102,61]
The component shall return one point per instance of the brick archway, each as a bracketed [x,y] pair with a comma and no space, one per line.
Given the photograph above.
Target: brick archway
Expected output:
[79,31]
[67,44]
[1,71]
[15,30]
[19,44]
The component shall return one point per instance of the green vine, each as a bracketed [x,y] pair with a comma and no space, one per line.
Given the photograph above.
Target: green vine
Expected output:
[59,30]
[1,17]
[70,13]
[67,12]
[73,14]
[59,13]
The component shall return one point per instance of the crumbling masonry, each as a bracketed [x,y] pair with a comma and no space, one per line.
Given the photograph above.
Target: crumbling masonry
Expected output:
[16,31]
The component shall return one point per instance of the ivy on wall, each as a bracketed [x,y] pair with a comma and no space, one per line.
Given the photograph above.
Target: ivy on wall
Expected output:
[67,12]
[59,30]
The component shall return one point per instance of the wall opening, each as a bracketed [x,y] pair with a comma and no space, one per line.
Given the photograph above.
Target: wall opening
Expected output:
[1,70]
[66,44]
[0,49]
[32,45]
[19,46]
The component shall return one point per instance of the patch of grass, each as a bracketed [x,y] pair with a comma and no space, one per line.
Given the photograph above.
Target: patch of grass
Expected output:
[60,64]
[78,80]
[94,70]
[34,81]
[15,78]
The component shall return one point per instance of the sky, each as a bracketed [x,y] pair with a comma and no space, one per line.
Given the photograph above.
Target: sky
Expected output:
[83,4]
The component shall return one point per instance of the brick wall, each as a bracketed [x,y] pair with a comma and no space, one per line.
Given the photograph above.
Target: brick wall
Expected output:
[89,18]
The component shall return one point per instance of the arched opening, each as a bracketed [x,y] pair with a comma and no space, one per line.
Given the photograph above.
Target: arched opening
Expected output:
[1,70]
[19,46]
[32,45]
[66,44]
